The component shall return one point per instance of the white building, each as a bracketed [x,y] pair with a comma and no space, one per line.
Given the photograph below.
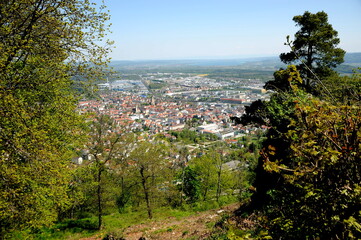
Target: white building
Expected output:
[225,134]
[209,127]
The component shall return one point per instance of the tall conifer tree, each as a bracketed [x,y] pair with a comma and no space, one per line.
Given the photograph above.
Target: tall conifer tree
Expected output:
[314,48]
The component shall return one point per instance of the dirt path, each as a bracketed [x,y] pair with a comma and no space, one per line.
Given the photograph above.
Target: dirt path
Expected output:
[197,226]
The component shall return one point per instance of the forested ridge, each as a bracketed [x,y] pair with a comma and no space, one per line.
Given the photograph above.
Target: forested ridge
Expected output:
[298,180]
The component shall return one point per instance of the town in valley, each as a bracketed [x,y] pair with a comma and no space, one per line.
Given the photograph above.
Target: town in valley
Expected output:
[162,102]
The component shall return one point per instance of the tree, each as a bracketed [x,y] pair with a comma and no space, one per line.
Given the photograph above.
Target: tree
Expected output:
[190,184]
[314,48]
[218,161]
[148,164]
[213,175]
[277,113]
[307,179]
[43,45]
[105,149]
[206,171]
[183,158]
[319,196]
[344,88]
[285,80]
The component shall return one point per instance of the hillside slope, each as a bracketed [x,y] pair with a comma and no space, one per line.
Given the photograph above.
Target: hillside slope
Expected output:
[197,226]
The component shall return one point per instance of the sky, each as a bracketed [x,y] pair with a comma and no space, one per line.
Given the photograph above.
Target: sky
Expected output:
[216,29]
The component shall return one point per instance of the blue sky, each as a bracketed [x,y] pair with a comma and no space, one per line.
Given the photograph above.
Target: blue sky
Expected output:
[189,29]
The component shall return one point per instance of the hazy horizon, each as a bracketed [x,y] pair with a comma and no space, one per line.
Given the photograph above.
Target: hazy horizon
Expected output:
[245,57]
[226,58]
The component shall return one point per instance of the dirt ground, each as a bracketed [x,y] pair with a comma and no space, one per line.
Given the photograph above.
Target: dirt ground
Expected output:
[197,226]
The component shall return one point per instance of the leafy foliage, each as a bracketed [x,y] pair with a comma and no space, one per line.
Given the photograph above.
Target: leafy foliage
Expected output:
[285,80]
[191,184]
[188,136]
[150,172]
[104,148]
[307,179]
[43,43]
[320,195]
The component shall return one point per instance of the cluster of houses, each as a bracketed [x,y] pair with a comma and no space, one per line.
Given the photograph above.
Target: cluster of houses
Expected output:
[143,113]
[138,113]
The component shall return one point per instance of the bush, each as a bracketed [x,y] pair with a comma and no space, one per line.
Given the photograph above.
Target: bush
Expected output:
[77,225]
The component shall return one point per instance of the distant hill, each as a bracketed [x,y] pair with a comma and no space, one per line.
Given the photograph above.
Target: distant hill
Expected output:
[191,62]
[352,60]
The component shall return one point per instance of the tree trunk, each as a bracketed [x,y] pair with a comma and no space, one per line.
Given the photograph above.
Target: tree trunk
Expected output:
[309,64]
[182,187]
[205,193]
[219,183]
[99,193]
[146,194]
[206,186]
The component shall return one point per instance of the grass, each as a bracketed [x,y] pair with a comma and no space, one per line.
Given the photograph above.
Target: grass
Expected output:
[169,229]
[113,223]
[116,222]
